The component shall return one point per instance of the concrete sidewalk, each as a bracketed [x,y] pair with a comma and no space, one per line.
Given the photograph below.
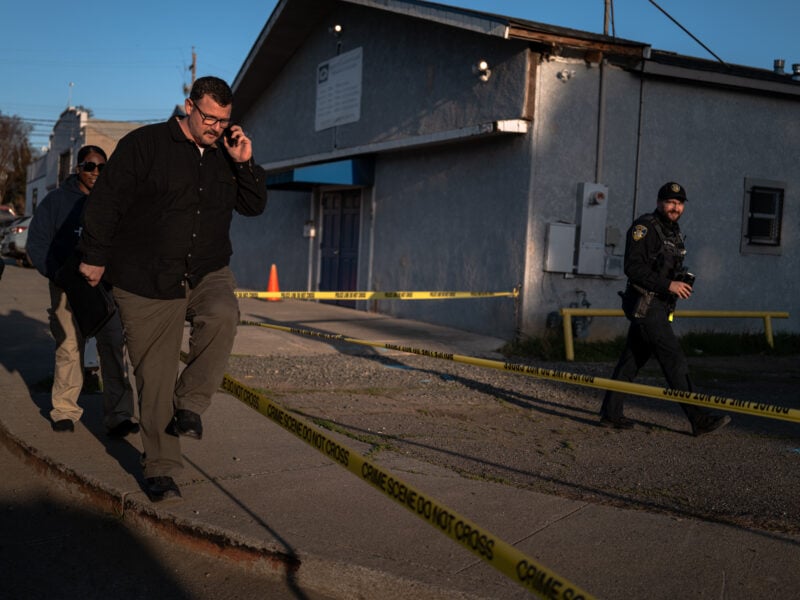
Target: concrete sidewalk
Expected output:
[256,493]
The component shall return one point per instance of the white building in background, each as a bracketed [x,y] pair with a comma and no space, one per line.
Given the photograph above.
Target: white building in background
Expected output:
[74,129]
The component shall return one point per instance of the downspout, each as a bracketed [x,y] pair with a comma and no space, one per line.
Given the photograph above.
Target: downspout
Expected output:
[528,298]
[601,109]
[601,124]
[637,167]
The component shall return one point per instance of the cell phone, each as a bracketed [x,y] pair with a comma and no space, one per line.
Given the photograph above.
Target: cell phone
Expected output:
[228,133]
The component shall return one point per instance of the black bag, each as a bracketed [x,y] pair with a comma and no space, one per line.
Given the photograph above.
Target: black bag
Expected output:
[92,307]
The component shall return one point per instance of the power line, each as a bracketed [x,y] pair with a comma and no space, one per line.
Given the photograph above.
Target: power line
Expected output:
[689,33]
[42,129]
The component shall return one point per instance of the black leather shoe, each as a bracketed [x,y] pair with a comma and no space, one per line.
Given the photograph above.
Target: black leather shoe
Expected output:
[161,488]
[120,430]
[187,423]
[63,425]
[620,423]
[708,423]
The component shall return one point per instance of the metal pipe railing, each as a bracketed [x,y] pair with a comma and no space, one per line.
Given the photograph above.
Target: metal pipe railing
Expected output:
[766,315]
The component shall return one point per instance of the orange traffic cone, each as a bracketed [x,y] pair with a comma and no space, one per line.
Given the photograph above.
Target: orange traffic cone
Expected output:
[272,286]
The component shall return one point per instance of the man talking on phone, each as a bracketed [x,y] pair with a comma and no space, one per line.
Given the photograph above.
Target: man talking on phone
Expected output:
[157,227]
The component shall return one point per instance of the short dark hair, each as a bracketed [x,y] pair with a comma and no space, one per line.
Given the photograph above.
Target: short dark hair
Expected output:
[215,87]
[87,150]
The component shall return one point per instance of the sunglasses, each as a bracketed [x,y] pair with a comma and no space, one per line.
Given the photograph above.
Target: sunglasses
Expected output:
[89,167]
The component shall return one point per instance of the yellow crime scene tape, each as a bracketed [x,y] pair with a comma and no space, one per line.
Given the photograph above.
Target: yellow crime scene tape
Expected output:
[374,295]
[758,409]
[501,555]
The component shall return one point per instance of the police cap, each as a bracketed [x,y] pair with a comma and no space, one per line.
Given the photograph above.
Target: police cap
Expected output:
[672,190]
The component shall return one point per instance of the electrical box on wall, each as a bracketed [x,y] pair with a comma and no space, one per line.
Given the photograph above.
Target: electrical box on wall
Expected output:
[591,220]
[614,266]
[560,248]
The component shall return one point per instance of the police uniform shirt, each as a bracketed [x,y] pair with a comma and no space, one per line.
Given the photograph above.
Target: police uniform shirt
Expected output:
[653,252]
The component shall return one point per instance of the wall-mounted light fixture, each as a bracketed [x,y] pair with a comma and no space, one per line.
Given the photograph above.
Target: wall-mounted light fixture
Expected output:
[336,29]
[482,70]
[565,75]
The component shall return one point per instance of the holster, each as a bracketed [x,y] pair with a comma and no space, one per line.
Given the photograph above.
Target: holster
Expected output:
[636,301]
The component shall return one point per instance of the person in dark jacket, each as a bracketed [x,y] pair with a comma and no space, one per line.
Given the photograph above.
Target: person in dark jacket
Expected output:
[654,254]
[52,237]
[157,227]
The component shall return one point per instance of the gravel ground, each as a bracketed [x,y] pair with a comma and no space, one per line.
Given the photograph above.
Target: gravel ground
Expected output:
[543,436]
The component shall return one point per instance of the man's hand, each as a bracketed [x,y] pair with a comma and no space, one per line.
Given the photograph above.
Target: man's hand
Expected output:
[91,273]
[240,149]
[681,289]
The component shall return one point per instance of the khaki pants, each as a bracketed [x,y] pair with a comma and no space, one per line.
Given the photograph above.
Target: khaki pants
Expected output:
[68,373]
[154,334]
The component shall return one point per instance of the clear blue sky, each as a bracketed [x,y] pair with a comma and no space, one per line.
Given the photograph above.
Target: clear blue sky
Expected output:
[129,60]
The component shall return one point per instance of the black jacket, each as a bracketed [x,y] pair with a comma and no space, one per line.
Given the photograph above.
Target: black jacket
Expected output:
[159,216]
[654,253]
[56,227]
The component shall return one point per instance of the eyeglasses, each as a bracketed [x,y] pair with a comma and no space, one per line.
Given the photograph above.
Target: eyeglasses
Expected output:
[209,120]
[89,167]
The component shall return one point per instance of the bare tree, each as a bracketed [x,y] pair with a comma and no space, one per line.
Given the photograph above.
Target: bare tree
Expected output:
[15,156]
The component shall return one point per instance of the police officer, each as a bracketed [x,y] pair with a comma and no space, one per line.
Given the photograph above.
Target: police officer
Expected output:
[654,253]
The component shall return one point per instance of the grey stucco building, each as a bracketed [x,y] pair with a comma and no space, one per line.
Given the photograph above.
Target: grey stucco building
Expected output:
[415,146]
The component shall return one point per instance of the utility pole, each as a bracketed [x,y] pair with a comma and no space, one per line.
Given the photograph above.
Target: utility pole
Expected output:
[193,69]
[606,17]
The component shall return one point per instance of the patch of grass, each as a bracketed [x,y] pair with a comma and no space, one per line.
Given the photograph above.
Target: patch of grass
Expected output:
[377,442]
[482,476]
[712,343]
[550,347]
[600,350]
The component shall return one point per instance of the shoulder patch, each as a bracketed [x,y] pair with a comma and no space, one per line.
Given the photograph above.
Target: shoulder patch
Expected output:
[639,232]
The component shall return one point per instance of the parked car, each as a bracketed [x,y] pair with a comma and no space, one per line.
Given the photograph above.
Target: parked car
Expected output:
[5,228]
[15,237]
[7,215]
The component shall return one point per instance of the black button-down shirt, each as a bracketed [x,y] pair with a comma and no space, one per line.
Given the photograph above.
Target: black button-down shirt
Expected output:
[159,216]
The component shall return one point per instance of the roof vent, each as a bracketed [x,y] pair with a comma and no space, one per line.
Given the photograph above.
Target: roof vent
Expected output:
[777,65]
[796,71]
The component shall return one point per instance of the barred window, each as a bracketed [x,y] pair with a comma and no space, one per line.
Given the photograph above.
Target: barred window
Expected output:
[762,217]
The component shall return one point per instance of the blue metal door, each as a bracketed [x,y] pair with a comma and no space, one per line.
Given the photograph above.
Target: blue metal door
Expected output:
[341,216]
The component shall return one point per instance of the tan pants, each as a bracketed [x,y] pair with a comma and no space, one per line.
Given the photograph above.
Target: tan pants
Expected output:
[154,335]
[68,373]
